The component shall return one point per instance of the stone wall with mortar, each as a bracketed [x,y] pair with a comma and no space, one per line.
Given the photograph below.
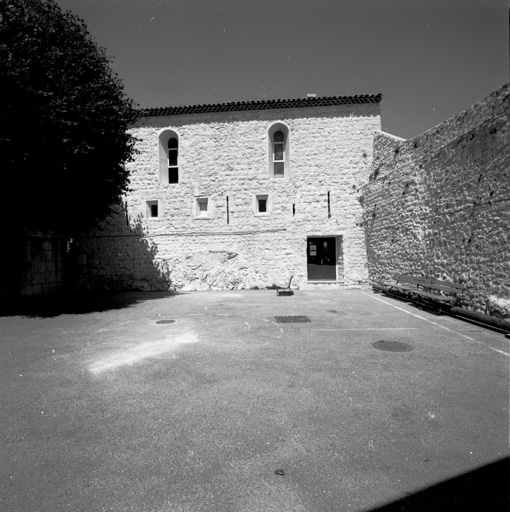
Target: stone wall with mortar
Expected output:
[439,204]
[226,155]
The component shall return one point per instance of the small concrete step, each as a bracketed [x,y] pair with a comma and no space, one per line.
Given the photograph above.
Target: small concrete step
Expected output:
[318,285]
[324,281]
[329,285]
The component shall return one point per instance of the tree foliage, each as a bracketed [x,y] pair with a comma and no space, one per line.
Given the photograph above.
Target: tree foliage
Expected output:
[64,119]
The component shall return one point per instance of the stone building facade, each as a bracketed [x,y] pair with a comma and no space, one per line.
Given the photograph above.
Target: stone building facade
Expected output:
[240,195]
[439,204]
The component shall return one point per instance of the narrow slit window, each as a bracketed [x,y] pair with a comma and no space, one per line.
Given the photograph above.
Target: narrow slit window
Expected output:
[262,205]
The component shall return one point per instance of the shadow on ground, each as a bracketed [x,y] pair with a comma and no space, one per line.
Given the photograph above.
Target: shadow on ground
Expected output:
[485,488]
[79,303]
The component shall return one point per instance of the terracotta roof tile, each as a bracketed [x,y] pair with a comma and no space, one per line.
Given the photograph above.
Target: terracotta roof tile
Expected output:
[236,106]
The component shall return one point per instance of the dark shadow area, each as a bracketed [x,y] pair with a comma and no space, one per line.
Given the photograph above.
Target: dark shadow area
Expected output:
[118,254]
[46,275]
[480,319]
[472,317]
[81,302]
[405,298]
[485,488]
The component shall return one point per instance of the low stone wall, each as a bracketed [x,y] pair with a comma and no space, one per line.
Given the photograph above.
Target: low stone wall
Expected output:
[439,204]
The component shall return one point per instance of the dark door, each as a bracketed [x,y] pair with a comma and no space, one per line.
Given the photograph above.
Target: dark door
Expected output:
[321,259]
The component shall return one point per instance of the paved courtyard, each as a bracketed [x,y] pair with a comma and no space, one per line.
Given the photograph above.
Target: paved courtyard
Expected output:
[204,402]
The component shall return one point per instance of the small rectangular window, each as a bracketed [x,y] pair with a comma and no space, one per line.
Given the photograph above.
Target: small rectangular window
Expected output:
[202,209]
[262,204]
[152,209]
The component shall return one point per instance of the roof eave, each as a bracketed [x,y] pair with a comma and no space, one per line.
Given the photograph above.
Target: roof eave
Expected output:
[238,106]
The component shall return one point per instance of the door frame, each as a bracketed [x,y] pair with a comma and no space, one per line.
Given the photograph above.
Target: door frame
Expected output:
[328,236]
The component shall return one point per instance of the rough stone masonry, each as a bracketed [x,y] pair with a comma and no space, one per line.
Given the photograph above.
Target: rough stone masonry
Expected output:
[439,204]
[211,209]
[208,209]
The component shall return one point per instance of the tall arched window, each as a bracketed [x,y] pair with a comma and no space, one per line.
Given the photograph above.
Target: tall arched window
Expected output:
[173,154]
[168,157]
[279,160]
[278,154]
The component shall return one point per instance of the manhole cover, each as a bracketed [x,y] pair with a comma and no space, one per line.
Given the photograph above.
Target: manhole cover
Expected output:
[291,319]
[393,346]
[165,321]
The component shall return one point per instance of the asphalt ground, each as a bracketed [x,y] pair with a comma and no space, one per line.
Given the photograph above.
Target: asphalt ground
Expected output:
[204,402]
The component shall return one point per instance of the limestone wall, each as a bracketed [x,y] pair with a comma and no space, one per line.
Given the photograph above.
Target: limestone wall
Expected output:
[225,156]
[439,204]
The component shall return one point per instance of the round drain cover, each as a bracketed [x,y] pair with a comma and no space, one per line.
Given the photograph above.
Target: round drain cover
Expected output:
[393,346]
[165,321]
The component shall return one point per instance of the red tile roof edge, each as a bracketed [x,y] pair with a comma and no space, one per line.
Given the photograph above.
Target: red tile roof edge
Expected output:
[236,106]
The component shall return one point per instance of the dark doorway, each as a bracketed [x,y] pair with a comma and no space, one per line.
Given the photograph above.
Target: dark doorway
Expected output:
[321,259]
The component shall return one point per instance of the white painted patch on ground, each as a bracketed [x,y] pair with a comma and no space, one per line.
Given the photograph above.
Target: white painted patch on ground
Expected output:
[136,353]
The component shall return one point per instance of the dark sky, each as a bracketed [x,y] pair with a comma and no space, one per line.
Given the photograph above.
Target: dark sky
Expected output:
[430,59]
